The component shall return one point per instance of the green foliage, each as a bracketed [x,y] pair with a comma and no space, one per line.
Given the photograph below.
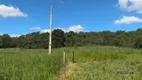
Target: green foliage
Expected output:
[70,39]
[138,43]
[6,40]
[58,38]
[1,42]
[38,40]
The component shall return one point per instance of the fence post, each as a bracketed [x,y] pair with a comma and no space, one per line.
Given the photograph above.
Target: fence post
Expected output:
[73,57]
[64,63]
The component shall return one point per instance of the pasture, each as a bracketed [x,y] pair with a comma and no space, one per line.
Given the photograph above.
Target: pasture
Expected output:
[91,63]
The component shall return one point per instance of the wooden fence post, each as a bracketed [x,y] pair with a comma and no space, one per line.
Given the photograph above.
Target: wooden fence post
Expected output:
[73,57]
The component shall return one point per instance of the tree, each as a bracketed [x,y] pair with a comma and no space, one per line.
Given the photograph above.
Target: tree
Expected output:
[138,43]
[1,42]
[21,41]
[6,40]
[33,40]
[108,37]
[44,38]
[14,42]
[38,40]
[58,38]
[70,39]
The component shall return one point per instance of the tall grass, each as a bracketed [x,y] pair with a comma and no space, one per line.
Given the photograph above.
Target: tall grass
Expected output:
[102,63]
[108,70]
[93,63]
[101,53]
[18,64]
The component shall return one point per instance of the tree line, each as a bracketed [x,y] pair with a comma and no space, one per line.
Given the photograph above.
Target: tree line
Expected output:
[37,40]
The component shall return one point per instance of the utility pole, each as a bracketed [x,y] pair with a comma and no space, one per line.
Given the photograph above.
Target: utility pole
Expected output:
[50,33]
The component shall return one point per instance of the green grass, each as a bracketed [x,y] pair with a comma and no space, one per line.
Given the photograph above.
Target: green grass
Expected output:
[92,63]
[107,70]
[18,64]
[103,63]
[100,53]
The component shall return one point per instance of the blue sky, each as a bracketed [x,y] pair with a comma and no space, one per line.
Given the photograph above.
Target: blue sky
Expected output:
[24,16]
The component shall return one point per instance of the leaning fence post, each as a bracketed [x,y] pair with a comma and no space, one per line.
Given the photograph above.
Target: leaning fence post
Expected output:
[64,63]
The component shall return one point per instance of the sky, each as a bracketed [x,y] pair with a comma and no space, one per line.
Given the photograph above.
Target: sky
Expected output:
[19,17]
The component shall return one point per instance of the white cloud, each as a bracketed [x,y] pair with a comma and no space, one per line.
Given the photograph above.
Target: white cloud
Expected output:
[123,3]
[10,11]
[12,35]
[128,20]
[48,30]
[131,5]
[35,28]
[63,29]
[76,28]
[15,35]
[44,30]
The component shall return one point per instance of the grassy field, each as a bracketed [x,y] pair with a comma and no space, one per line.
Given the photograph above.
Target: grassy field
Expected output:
[18,64]
[92,63]
[107,63]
